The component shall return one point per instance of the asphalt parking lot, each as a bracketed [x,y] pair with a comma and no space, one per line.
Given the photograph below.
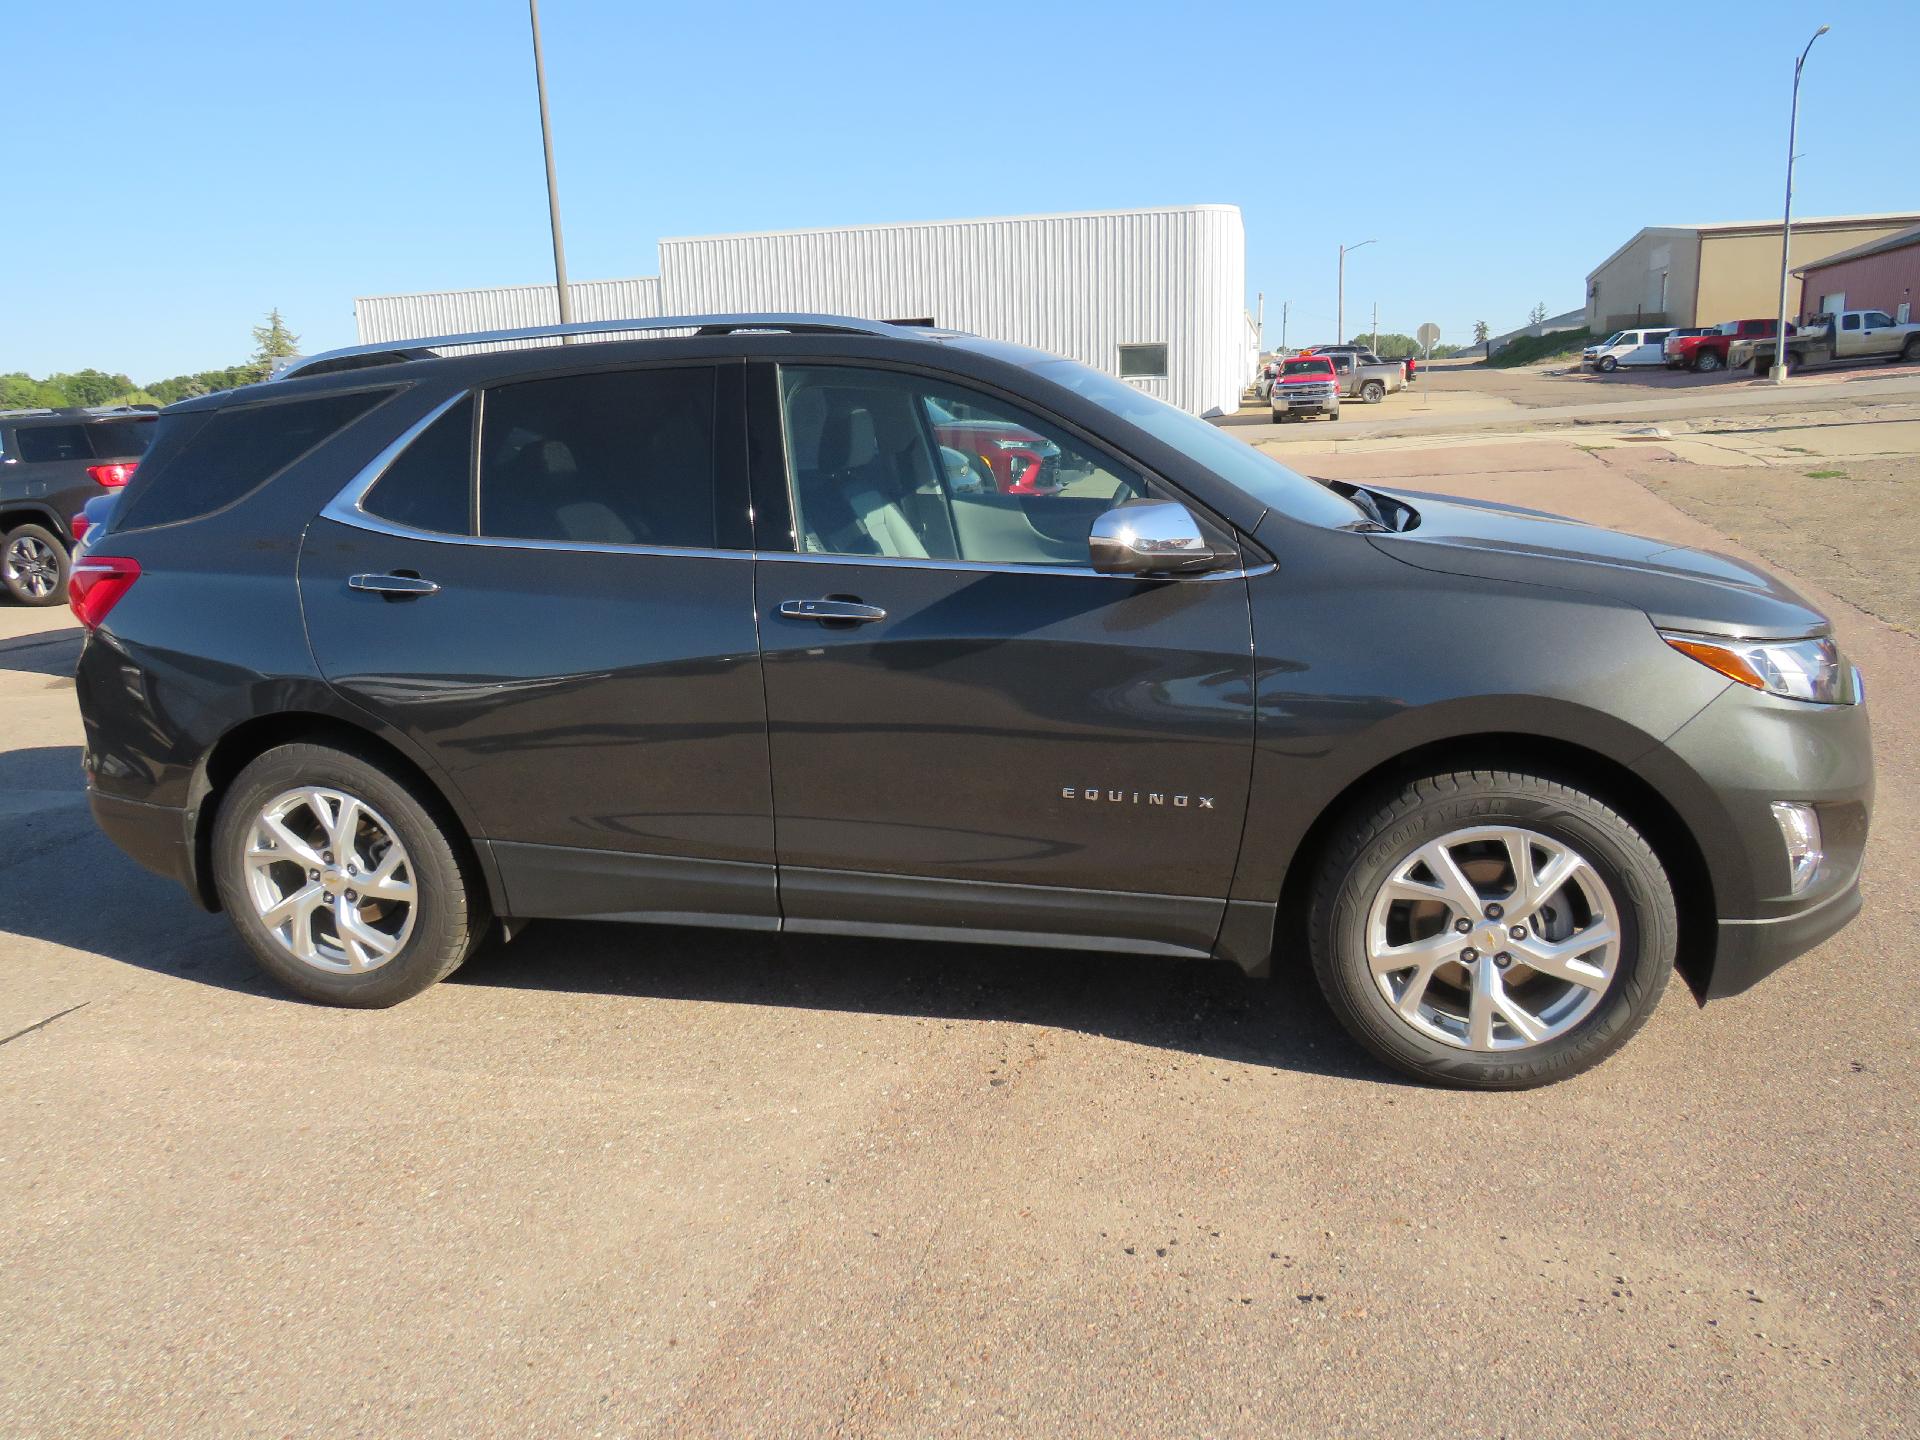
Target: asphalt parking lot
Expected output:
[674,1182]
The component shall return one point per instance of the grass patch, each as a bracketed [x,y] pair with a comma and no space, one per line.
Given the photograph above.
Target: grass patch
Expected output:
[1531,349]
[1826,474]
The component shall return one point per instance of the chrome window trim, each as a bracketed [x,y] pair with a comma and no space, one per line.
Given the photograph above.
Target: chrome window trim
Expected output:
[345,508]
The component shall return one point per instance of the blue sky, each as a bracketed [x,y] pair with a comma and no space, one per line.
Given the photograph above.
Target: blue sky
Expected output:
[185,168]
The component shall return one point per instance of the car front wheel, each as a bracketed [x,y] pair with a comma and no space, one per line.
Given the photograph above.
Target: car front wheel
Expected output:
[347,889]
[1493,930]
[33,565]
[1608,365]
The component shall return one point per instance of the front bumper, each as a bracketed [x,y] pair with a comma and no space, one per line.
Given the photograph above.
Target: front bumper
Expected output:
[1721,771]
[1748,951]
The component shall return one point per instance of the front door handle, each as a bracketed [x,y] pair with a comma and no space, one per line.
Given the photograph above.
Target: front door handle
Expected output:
[392,585]
[828,611]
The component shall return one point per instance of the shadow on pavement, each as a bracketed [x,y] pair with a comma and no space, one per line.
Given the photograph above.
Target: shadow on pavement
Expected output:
[51,652]
[1198,1008]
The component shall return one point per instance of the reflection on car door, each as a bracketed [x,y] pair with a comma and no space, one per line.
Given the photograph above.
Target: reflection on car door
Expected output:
[585,673]
[964,718]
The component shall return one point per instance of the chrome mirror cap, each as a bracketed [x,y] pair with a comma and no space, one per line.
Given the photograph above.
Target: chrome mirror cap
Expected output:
[1150,537]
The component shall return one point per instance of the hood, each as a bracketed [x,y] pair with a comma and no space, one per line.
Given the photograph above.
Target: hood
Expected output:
[1678,588]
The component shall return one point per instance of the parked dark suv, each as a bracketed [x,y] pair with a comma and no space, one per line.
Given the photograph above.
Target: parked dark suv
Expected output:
[700,629]
[52,462]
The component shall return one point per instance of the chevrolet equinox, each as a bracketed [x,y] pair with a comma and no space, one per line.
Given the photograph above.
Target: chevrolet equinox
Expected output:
[734,621]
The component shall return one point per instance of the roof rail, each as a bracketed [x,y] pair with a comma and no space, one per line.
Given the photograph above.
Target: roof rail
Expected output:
[355,357]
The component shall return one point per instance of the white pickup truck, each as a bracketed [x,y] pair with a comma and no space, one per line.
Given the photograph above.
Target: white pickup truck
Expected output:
[1825,339]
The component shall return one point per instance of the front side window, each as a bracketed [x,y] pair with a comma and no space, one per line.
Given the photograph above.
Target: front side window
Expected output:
[1878,319]
[1143,362]
[621,457]
[885,464]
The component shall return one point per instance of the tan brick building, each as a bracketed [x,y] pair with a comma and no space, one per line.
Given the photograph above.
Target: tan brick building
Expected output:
[1704,274]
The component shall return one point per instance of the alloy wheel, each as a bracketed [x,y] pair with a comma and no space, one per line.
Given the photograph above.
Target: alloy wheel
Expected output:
[32,565]
[330,880]
[1493,938]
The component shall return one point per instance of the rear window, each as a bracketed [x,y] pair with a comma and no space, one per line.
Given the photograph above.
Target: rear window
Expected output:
[231,453]
[41,443]
[121,439]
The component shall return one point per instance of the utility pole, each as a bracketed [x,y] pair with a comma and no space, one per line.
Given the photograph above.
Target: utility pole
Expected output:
[1260,322]
[553,186]
[1374,334]
[1284,306]
[1779,370]
[1340,309]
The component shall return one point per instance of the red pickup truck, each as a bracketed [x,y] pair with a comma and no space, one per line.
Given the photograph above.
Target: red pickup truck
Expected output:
[1709,351]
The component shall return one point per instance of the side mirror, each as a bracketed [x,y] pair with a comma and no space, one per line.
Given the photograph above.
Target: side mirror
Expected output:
[1150,537]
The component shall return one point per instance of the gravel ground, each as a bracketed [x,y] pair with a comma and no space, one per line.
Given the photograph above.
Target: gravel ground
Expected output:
[682,1183]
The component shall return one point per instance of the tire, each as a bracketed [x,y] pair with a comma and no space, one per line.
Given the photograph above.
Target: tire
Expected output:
[1910,352]
[1334,413]
[1608,364]
[34,564]
[1707,361]
[1280,417]
[1597,1015]
[1373,392]
[448,907]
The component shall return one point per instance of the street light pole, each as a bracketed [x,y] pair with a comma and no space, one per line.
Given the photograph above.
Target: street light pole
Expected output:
[1779,371]
[1340,309]
[553,186]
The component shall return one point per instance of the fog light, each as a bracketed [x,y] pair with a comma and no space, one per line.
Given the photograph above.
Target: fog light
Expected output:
[1800,830]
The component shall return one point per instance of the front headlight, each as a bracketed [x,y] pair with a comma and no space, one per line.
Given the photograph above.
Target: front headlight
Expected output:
[1807,669]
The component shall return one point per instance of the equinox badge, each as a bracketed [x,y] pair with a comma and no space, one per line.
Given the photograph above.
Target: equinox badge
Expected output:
[1136,797]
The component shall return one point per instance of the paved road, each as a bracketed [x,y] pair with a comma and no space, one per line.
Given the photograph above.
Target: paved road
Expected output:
[620,1181]
[1591,400]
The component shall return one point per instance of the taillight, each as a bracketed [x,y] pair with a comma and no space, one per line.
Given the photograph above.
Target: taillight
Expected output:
[96,584]
[115,475]
[78,524]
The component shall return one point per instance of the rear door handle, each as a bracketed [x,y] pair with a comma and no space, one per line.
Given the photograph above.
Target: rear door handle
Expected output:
[392,585]
[827,611]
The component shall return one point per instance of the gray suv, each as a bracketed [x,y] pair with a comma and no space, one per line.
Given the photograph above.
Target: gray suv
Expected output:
[52,462]
[407,649]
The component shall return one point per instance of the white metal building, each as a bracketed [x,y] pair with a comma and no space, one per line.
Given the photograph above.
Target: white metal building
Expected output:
[1157,297]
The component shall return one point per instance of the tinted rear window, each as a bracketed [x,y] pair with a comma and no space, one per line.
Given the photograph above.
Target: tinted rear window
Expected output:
[615,458]
[430,486]
[40,443]
[121,439]
[232,453]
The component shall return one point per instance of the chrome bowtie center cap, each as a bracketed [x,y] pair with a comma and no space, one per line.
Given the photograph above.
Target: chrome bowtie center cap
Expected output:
[1488,938]
[332,880]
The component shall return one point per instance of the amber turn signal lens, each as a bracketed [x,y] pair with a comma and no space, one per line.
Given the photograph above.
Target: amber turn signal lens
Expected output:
[1714,657]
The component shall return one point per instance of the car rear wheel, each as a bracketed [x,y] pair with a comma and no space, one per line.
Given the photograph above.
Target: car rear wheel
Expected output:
[1911,350]
[347,888]
[1493,930]
[1707,360]
[1373,392]
[33,565]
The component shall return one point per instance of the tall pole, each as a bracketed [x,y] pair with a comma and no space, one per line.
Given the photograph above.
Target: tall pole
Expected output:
[553,186]
[1340,309]
[1285,305]
[1374,334]
[1779,371]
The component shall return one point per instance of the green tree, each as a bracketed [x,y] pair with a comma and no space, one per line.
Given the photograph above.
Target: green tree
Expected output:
[20,391]
[271,341]
[1480,332]
[90,387]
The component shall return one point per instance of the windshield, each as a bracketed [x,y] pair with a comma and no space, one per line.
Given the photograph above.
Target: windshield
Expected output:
[1317,366]
[1613,339]
[1240,465]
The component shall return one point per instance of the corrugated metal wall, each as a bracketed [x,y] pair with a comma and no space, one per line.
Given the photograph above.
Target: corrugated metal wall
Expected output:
[380,318]
[1076,285]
